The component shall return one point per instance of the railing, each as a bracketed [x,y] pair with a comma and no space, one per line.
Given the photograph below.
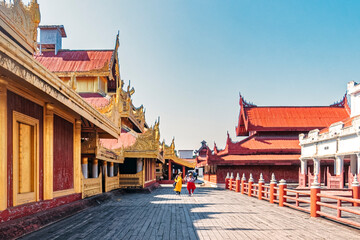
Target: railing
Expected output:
[131,180]
[91,186]
[112,183]
[338,204]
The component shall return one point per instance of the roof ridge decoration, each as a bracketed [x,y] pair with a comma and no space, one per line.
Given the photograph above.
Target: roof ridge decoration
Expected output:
[341,103]
[148,141]
[216,150]
[21,21]
[169,153]
[244,103]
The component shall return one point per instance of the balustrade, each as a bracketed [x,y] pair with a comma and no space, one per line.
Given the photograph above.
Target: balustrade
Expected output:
[311,200]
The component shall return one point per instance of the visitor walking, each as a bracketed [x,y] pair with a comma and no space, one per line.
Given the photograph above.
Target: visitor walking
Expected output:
[190,183]
[178,185]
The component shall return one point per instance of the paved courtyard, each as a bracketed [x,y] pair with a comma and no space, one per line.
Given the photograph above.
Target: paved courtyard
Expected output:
[209,214]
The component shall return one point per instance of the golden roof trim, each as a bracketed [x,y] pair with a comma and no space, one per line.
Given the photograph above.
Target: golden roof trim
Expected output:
[21,22]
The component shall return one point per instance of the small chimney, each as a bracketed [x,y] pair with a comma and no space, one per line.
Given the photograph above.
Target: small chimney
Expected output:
[51,37]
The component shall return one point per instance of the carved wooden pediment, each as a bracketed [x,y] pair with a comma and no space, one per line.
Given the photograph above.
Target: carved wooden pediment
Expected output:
[21,22]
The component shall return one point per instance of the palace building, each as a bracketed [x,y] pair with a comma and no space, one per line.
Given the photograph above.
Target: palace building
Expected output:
[338,143]
[43,122]
[70,128]
[272,143]
[129,160]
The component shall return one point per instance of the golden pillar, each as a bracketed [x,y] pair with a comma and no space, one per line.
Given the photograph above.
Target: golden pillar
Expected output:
[48,151]
[77,156]
[84,167]
[95,173]
[3,144]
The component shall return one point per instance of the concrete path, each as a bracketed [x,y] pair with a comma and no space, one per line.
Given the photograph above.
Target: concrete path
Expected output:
[209,214]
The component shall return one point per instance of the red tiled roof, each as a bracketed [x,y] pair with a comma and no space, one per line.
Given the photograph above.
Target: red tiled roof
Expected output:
[75,60]
[125,140]
[260,144]
[262,157]
[291,118]
[253,118]
[95,99]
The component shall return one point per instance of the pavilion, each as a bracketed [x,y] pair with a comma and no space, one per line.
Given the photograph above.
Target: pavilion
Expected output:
[271,144]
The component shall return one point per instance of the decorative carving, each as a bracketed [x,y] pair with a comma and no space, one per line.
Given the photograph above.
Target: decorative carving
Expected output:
[244,103]
[23,19]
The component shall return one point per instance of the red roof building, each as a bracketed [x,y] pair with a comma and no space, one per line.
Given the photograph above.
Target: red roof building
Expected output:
[272,145]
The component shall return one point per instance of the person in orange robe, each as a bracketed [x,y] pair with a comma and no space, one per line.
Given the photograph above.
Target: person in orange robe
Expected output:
[178,185]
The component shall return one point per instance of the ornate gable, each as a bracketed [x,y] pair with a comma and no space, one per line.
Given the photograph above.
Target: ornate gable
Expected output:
[21,22]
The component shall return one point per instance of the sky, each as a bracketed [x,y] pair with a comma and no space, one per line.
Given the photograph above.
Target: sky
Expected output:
[188,60]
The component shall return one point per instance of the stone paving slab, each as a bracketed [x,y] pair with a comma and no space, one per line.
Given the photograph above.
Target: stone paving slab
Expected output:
[209,214]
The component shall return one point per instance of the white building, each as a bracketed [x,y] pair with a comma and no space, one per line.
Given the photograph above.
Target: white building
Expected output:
[340,141]
[187,154]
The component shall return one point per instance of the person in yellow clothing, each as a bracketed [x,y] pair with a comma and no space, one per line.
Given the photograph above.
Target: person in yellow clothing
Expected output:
[178,185]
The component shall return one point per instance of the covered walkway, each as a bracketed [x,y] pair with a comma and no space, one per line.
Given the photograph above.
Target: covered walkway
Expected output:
[209,214]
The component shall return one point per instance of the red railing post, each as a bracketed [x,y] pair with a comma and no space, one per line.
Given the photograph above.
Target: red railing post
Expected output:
[237,187]
[314,198]
[227,178]
[251,181]
[261,183]
[243,179]
[231,181]
[282,186]
[272,188]
[356,190]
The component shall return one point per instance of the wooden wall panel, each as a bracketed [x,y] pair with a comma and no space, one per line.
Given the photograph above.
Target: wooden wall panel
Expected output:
[63,154]
[22,105]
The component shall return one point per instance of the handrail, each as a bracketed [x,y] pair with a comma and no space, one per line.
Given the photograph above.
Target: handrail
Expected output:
[339,198]
[310,199]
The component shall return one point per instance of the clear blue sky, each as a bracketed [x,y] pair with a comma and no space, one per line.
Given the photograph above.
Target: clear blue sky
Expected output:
[189,59]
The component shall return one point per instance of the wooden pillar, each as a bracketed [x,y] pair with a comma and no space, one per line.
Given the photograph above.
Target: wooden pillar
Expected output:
[251,181]
[111,169]
[48,151]
[3,144]
[84,167]
[95,172]
[358,164]
[315,189]
[261,183]
[356,190]
[272,188]
[170,170]
[183,170]
[231,181]
[243,179]
[282,193]
[77,156]
[105,172]
[227,179]
[237,187]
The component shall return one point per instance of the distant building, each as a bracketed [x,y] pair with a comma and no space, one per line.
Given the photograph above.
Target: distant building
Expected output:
[339,142]
[272,145]
[186,154]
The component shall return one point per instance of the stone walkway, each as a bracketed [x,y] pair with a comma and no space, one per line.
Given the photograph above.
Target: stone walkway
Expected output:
[209,214]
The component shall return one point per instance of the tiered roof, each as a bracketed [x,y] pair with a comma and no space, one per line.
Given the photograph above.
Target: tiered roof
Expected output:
[273,133]
[300,119]
[76,60]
